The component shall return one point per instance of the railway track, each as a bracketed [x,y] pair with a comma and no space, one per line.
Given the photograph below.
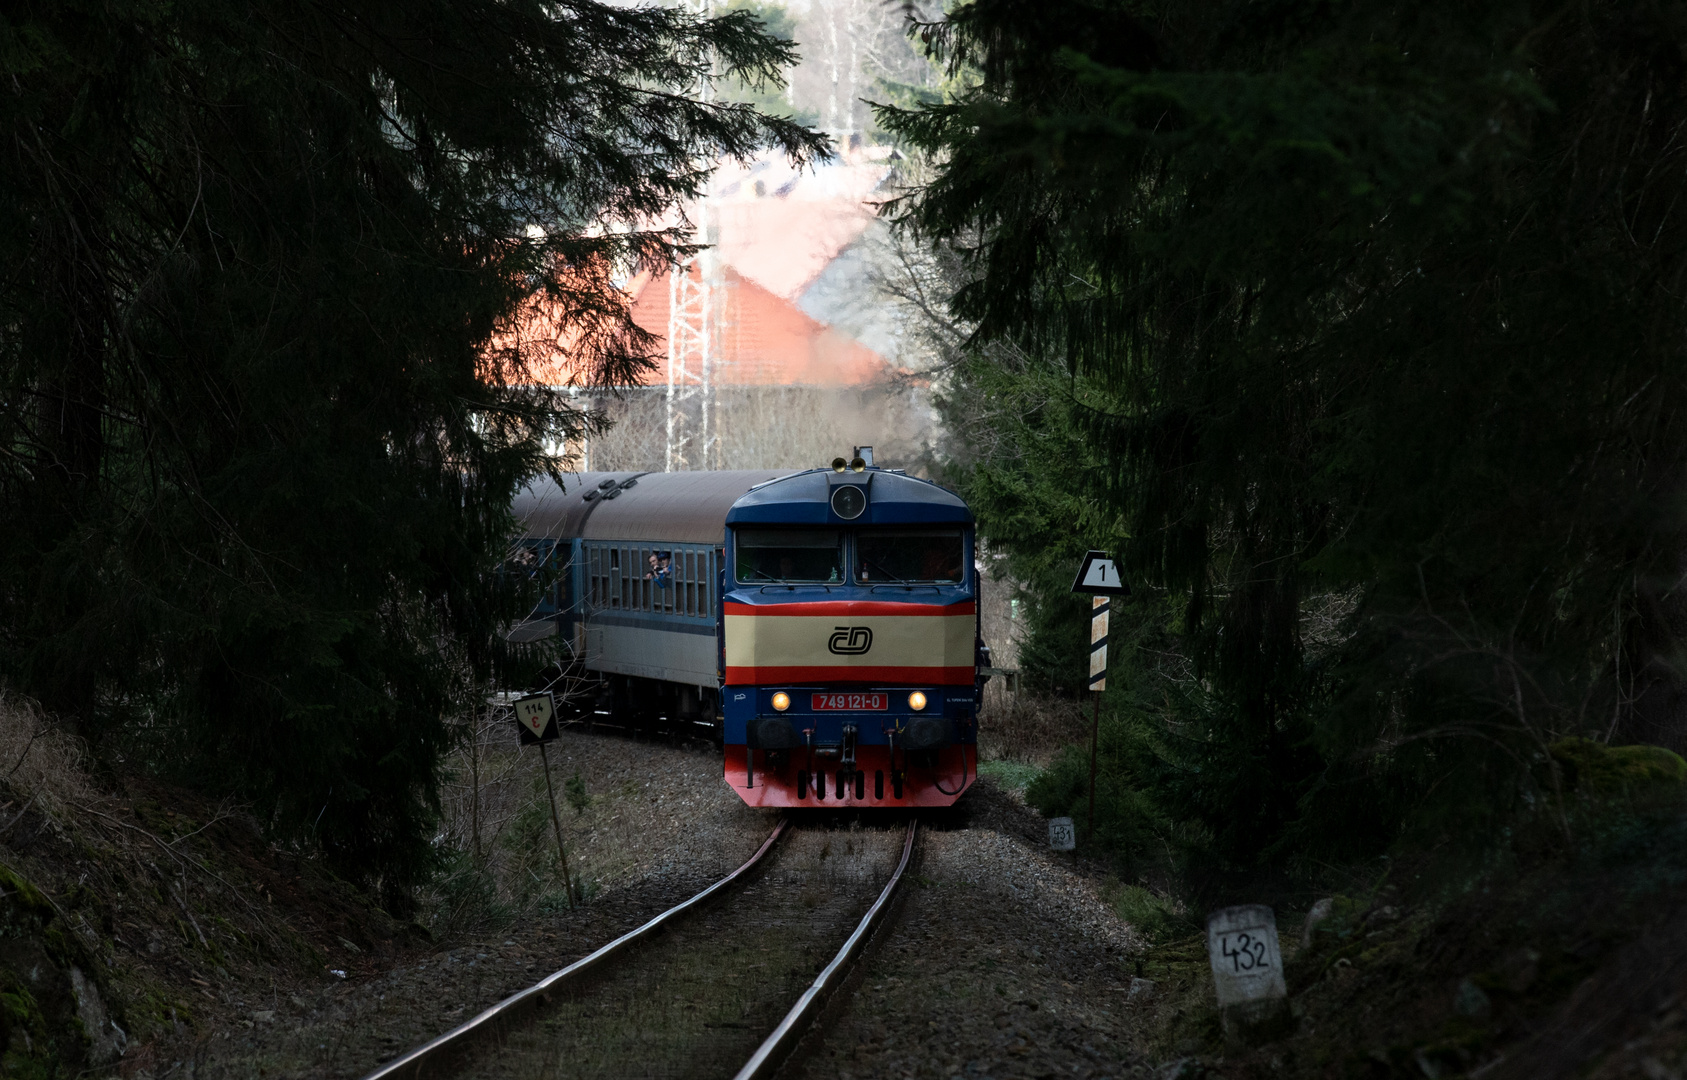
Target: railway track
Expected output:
[715,997]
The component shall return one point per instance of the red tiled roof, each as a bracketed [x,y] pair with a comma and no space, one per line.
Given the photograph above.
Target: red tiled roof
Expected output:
[779,227]
[765,340]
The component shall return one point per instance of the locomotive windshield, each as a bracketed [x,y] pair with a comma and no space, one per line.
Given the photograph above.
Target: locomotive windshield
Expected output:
[790,555]
[908,555]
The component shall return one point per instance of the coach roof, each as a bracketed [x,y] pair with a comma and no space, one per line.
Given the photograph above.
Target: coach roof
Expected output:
[678,507]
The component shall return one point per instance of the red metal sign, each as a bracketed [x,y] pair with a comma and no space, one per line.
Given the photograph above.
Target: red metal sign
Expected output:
[851,702]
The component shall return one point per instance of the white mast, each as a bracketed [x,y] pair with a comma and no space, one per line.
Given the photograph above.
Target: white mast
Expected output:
[694,312]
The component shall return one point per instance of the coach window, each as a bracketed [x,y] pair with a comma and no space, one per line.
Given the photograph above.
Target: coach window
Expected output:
[901,556]
[790,556]
[659,578]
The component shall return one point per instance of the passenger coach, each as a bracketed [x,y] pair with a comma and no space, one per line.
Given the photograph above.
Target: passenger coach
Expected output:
[823,624]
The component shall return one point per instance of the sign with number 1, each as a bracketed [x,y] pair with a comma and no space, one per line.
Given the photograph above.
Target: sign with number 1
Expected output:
[1098,575]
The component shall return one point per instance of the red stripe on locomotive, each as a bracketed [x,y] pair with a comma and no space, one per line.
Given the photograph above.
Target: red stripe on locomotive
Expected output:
[836,674]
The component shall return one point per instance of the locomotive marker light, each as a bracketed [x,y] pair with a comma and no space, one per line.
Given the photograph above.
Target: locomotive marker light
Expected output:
[781,701]
[535,717]
[1098,575]
[1247,972]
[916,701]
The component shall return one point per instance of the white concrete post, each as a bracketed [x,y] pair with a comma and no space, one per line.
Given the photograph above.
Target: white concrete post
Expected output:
[1247,971]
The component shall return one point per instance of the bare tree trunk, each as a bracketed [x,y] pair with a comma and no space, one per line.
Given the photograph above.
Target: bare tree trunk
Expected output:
[474,779]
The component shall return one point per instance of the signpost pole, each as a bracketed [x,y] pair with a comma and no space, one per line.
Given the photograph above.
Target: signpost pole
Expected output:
[1098,575]
[567,879]
[535,717]
[1095,739]
[1100,606]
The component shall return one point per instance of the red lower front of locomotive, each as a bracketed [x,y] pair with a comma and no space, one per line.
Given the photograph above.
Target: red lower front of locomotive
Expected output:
[880,776]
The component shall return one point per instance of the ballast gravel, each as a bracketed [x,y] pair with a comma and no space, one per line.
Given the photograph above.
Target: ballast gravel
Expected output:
[1002,961]
[661,827]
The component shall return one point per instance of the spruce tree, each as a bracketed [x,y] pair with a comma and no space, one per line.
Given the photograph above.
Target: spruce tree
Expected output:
[1379,302]
[263,405]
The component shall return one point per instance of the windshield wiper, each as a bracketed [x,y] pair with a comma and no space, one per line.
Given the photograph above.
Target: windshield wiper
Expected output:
[886,573]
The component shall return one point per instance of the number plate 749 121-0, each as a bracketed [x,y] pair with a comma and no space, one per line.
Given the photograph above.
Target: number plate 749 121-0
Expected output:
[850,702]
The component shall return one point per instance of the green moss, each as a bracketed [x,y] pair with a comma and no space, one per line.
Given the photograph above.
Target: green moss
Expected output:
[1010,775]
[155,1012]
[21,893]
[1596,769]
[25,1050]
[15,1066]
[1155,917]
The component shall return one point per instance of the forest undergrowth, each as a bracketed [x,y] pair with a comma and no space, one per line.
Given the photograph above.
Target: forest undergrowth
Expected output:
[137,917]
[1433,961]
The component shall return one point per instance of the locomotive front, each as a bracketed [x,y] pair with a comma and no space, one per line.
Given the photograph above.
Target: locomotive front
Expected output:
[849,641]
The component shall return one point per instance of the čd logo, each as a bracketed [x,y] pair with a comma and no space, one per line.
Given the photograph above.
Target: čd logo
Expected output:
[851,640]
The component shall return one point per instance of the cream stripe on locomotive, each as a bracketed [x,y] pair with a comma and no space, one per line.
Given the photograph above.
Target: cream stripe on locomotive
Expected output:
[849,646]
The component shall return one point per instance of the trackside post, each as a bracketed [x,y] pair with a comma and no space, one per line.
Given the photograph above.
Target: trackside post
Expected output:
[1098,576]
[535,717]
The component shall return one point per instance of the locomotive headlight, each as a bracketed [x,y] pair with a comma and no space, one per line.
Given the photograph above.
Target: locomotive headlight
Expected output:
[916,701]
[848,501]
[781,701]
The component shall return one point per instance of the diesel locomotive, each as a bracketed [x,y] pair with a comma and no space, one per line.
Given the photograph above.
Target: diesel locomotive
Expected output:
[823,624]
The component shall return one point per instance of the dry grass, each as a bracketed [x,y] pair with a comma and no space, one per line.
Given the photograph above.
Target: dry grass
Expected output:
[1017,726]
[637,808]
[40,763]
[497,816]
[1028,729]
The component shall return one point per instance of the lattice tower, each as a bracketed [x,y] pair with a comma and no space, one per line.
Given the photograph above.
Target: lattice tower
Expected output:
[695,314]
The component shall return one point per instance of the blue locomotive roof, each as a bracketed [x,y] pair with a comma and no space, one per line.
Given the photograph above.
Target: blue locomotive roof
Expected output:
[893,498]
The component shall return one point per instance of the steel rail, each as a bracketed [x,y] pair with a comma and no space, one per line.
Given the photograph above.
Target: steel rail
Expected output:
[777,1046]
[413,1065]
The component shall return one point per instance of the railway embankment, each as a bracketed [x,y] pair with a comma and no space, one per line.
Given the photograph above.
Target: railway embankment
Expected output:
[167,938]
[139,922]
[1560,951]
[148,933]
[981,892]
